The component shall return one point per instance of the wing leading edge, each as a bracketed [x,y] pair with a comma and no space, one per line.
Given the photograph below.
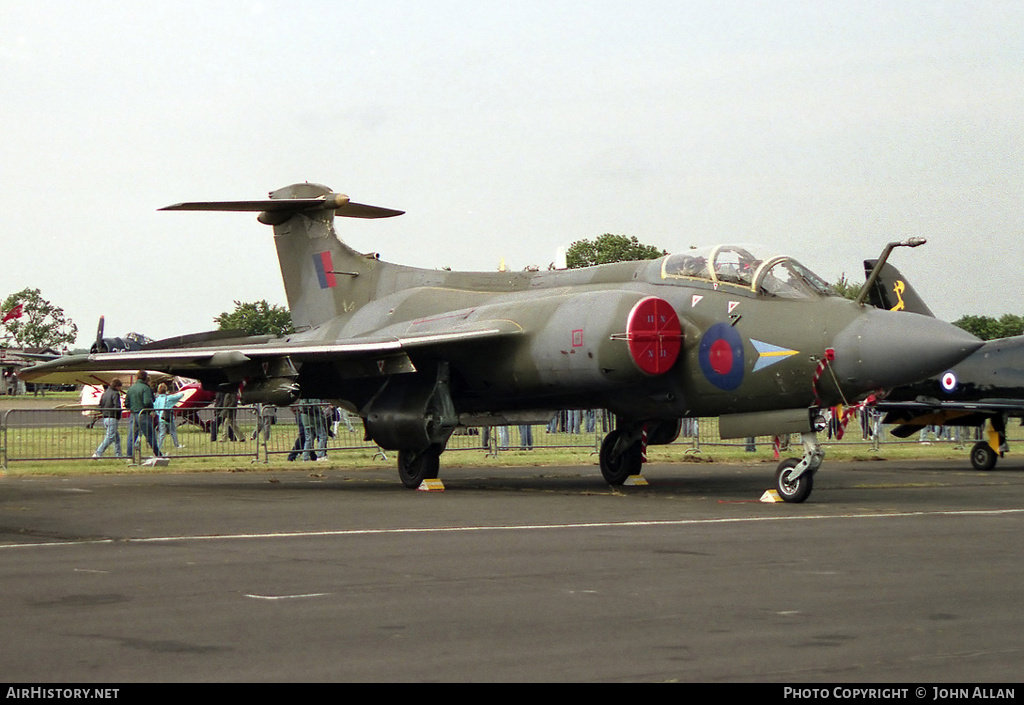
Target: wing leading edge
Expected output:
[188,361]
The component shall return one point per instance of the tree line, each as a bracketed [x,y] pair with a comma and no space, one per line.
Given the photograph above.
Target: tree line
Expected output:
[28,321]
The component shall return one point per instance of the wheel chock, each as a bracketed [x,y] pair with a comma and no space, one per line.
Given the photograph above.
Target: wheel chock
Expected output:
[771,496]
[635,481]
[431,485]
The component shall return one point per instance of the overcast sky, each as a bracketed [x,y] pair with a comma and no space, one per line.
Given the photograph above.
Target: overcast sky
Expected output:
[505,129]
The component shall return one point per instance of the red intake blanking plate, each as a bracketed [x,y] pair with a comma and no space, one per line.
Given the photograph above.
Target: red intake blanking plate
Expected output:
[654,334]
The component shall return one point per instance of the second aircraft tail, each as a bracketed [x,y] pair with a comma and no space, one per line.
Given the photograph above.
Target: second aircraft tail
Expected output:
[893,292]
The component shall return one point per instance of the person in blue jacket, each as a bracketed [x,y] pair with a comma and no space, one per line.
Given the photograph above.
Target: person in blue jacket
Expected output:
[164,406]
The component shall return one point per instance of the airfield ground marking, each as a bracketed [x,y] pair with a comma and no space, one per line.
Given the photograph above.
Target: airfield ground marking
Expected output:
[512,527]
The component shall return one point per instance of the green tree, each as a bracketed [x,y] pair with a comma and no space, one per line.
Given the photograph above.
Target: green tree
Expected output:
[256,318]
[41,324]
[609,248]
[988,328]
[845,288]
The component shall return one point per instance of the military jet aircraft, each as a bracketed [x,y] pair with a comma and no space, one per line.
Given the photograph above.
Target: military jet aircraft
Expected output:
[986,387]
[759,341]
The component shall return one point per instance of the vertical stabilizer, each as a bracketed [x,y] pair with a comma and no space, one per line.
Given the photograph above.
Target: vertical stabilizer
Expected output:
[892,291]
[324,278]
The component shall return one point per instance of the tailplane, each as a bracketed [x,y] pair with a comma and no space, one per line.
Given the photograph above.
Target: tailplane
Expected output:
[324,278]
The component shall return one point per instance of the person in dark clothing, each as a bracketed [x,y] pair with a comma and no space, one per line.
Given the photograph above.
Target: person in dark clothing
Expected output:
[300,441]
[139,401]
[110,411]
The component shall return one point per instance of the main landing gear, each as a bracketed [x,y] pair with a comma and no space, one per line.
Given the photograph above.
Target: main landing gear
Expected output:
[983,455]
[621,455]
[794,479]
[622,451]
[416,466]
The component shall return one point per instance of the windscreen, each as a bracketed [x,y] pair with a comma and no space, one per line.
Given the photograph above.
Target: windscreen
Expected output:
[741,266]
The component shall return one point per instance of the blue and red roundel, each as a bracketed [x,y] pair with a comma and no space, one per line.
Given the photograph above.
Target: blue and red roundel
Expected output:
[721,356]
[949,382]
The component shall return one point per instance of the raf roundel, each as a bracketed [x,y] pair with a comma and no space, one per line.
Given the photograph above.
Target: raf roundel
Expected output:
[721,356]
[654,335]
[949,382]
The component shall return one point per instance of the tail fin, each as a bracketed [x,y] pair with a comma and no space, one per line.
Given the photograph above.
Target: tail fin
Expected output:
[892,292]
[324,279]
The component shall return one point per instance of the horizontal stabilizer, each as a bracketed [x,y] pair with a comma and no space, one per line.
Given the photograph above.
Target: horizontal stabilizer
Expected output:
[337,202]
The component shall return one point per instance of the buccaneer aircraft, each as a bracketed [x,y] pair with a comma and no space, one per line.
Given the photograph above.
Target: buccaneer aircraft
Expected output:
[759,341]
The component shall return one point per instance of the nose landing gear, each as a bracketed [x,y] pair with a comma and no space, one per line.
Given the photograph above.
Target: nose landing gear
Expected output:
[794,479]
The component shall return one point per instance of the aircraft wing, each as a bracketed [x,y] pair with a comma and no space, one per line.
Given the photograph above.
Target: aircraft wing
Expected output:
[980,405]
[387,354]
[910,416]
[92,378]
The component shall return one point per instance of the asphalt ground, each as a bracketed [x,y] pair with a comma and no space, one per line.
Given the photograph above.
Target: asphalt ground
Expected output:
[905,572]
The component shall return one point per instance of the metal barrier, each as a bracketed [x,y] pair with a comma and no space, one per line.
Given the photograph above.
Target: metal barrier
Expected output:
[262,432]
[308,432]
[76,434]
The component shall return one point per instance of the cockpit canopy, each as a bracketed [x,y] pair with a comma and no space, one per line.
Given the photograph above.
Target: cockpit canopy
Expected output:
[735,265]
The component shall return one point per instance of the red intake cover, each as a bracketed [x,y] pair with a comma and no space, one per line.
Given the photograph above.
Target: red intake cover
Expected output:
[654,335]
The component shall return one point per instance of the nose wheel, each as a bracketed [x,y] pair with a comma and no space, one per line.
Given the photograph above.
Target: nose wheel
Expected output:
[790,488]
[794,479]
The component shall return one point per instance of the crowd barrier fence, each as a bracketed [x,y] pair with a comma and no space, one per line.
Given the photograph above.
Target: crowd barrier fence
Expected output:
[260,433]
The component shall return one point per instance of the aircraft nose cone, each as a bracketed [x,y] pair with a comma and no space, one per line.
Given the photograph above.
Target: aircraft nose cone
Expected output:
[885,349]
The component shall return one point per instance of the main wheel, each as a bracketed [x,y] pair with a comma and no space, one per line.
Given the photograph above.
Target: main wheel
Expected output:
[792,491]
[982,456]
[617,469]
[415,467]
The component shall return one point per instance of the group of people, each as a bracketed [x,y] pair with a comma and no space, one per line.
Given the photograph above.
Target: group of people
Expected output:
[223,425]
[317,421]
[525,437]
[579,421]
[11,384]
[152,416]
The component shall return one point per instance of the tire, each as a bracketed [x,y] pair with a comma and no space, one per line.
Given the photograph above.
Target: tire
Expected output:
[414,468]
[617,471]
[982,456]
[794,492]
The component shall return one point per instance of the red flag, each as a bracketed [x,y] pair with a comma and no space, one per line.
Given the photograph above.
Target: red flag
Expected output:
[15,312]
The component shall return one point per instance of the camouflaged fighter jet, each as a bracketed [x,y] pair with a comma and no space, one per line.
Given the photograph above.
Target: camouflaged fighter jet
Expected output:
[761,342]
